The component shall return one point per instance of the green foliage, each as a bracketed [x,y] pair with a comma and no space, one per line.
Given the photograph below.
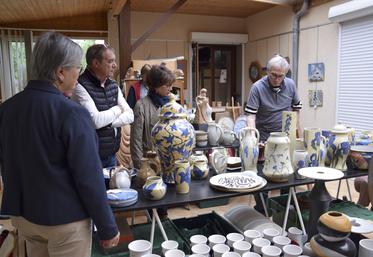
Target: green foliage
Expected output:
[84,44]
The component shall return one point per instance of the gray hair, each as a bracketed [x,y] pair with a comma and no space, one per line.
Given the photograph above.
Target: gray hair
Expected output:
[96,52]
[279,62]
[52,51]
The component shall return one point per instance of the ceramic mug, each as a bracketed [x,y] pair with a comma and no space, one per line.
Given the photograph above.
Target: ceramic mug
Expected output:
[296,235]
[251,234]
[292,250]
[270,233]
[271,251]
[216,239]
[198,239]
[259,243]
[234,237]
[202,249]
[174,253]
[366,248]
[139,248]
[219,249]
[281,241]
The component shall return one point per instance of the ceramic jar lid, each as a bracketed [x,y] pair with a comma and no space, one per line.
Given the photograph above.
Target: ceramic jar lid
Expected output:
[339,129]
[172,109]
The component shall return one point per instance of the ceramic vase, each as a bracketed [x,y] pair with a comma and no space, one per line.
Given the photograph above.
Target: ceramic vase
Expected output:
[312,137]
[249,148]
[299,161]
[277,164]
[289,126]
[219,158]
[154,188]
[326,134]
[144,172]
[323,151]
[182,176]
[334,229]
[174,138]
[339,147]
[199,165]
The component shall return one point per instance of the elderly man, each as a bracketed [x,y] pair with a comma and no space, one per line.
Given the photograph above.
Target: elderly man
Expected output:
[103,99]
[268,98]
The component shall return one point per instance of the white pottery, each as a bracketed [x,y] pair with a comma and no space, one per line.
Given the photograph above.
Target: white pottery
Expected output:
[219,249]
[297,236]
[215,133]
[323,151]
[270,233]
[219,159]
[120,178]
[250,254]
[228,137]
[216,239]
[292,250]
[249,148]
[251,234]
[241,247]
[198,239]
[289,126]
[259,243]
[339,147]
[231,254]
[281,241]
[234,237]
[202,249]
[139,248]
[175,253]
[169,245]
[277,164]
[271,251]
[366,248]
[299,161]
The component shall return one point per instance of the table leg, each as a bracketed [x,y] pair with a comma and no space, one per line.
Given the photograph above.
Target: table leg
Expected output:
[264,204]
[155,214]
[286,214]
[320,200]
[292,191]
[152,231]
[348,189]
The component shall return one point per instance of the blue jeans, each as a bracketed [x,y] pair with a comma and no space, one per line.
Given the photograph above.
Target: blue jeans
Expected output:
[109,161]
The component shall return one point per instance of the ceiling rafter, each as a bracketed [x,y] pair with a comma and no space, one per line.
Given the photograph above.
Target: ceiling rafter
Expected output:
[118,6]
[277,2]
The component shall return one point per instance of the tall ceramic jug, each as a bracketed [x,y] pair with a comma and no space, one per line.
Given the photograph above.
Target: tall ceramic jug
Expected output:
[312,137]
[215,133]
[277,164]
[249,148]
[339,147]
[173,137]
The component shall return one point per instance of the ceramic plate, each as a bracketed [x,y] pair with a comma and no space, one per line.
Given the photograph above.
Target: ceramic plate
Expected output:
[257,182]
[240,123]
[321,173]
[361,226]
[227,123]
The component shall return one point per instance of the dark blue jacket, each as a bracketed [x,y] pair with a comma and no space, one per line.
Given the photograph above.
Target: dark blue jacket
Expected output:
[49,161]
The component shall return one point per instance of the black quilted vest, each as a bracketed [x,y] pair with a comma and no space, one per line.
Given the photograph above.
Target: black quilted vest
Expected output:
[104,99]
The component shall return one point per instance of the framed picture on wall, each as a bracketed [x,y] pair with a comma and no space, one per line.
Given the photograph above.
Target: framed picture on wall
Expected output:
[255,71]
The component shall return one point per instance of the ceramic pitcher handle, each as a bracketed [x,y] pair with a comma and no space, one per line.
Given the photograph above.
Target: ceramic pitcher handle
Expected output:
[221,133]
[214,155]
[244,130]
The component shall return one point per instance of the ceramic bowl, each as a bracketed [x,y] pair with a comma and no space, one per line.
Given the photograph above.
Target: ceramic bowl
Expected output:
[359,157]
[201,135]
[201,143]
[233,162]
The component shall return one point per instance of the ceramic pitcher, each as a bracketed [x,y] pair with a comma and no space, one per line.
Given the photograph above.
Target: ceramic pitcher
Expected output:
[249,148]
[312,137]
[339,147]
[277,164]
[215,133]
[219,157]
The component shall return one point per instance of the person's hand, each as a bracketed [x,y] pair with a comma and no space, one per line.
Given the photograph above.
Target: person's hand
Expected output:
[111,242]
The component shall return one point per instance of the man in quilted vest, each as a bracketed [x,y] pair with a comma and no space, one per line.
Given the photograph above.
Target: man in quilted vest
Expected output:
[103,99]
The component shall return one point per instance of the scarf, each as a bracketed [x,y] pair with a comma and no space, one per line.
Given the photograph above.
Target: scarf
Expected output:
[158,100]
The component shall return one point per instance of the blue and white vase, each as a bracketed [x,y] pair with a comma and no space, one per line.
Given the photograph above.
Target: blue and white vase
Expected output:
[182,176]
[339,147]
[249,148]
[312,138]
[154,188]
[299,161]
[173,137]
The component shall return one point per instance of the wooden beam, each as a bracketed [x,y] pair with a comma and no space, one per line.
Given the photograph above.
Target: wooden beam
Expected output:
[28,51]
[161,20]
[125,51]
[277,2]
[118,6]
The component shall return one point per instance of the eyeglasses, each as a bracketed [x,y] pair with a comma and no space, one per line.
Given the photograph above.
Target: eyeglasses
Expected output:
[276,76]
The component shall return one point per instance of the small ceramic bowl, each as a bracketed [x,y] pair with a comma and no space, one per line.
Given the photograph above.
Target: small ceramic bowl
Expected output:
[234,162]
[359,157]
[201,143]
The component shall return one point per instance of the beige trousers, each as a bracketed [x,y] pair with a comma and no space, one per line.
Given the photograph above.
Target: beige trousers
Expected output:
[68,240]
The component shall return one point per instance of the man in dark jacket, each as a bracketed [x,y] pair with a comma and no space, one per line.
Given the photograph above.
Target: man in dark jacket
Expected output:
[103,99]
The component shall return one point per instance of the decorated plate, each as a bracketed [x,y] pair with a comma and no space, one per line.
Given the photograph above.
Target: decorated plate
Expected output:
[236,181]
[227,123]
[241,122]
[321,173]
[122,197]
[361,226]
[242,190]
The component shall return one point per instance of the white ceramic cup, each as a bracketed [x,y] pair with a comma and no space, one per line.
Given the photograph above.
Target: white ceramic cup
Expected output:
[196,255]
[307,250]
[251,234]
[296,235]
[241,247]
[198,239]
[271,251]
[270,233]
[281,241]
[174,253]
[366,248]
[259,243]
[139,248]
[219,249]
[169,245]
[151,255]
[216,239]
[234,237]
[303,256]
[292,250]
[231,254]
[202,249]
[251,254]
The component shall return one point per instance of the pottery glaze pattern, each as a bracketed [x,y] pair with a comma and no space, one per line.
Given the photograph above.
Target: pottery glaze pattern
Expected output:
[289,126]
[182,176]
[154,188]
[312,137]
[249,148]
[173,136]
[339,147]
[277,165]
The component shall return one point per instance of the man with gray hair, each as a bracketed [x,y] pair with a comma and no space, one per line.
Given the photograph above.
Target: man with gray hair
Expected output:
[268,98]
